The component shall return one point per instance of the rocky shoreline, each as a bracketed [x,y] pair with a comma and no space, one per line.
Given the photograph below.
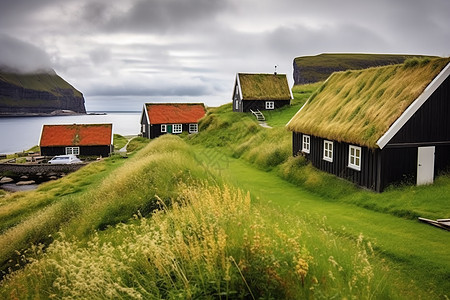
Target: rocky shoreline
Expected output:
[51,114]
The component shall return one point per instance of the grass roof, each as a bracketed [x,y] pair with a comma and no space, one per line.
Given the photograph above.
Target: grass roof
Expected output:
[264,87]
[359,106]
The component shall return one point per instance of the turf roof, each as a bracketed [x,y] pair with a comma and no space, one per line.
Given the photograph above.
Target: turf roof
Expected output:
[264,86]
[358,107]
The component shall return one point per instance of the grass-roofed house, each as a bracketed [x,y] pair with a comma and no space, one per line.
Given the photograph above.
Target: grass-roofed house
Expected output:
[78,139]
[260,92]
[174,118]
[379,126]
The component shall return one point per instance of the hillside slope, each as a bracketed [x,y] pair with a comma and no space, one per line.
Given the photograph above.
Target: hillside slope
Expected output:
[310,69]
[40,93]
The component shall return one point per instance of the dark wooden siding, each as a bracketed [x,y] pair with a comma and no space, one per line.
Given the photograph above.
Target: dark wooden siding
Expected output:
[431,123]
[398,165]
[261,104]
[145,128]
[155,130]
[237,98]
[367,177]
[84,150]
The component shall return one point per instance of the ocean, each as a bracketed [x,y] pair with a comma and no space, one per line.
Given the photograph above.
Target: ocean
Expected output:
[21,133]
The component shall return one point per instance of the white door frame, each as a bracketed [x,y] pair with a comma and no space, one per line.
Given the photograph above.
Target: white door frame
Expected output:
[425,165]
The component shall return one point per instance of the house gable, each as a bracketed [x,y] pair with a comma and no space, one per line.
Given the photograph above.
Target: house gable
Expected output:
[434,123]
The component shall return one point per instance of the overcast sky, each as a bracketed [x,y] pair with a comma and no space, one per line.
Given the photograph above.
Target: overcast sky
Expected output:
[120,54]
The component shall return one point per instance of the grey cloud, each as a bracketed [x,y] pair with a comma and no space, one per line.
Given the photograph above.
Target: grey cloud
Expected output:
[166,15]
[22,56]
[172,90]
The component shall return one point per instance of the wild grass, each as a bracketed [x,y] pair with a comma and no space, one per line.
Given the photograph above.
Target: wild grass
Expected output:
[368,103]
[96,201]
[211,242]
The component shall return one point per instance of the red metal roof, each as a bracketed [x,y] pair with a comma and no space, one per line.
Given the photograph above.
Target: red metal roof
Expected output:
[174,113]
[76,135]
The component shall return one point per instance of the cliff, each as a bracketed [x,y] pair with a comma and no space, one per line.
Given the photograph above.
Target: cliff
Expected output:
[310,69]
[43,93]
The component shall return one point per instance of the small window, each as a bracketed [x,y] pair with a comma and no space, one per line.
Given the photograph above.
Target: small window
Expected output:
[143,128]
[328,151]
[73,150]
[177,128]
[270,105]
[306,142]
[354,157]
[236,104]
[193,128]
[163,127]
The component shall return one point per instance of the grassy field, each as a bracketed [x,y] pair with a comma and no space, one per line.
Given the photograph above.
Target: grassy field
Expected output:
[226,213]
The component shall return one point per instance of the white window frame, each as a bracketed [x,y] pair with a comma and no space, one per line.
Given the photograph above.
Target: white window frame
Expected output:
[177,128]
[354,157]
[270,105]
[73,150]
[193,128]
[306,143]
[143,128]
[163,127]
[328,150]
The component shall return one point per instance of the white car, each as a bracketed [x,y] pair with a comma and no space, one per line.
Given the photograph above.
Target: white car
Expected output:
[64,160]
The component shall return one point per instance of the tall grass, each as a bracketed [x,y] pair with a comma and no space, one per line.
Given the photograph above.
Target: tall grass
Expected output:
[210,243]
[129,188]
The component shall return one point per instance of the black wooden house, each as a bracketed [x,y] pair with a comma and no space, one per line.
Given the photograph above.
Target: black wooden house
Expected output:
[77,139]
[174,118]
[379,126]
[260,92]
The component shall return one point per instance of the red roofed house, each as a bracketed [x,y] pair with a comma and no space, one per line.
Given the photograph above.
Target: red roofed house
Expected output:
[161,118]
[78,139]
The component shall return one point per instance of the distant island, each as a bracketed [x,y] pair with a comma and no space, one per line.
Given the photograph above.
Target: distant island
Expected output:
[42,93]
[310,69]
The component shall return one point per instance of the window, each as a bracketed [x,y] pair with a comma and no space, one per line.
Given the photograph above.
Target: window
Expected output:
[73,150]
[270,105]
[306,141]
[143,128]
[328,151]
[354,157]
[236,104]
[193,128]
[177,128]
[163,128]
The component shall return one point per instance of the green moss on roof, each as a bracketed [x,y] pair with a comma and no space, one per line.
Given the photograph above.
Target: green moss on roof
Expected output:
[264,87]
[359,106]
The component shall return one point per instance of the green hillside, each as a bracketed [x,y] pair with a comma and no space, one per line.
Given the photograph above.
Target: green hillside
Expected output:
[223,214]
[37,93]
[310,69]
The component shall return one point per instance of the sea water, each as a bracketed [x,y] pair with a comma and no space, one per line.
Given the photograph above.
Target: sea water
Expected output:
[21,133]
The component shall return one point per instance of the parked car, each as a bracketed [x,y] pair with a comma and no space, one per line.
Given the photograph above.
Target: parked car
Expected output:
[64,159]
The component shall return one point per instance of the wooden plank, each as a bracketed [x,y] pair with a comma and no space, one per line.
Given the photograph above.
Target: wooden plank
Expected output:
[435,223]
